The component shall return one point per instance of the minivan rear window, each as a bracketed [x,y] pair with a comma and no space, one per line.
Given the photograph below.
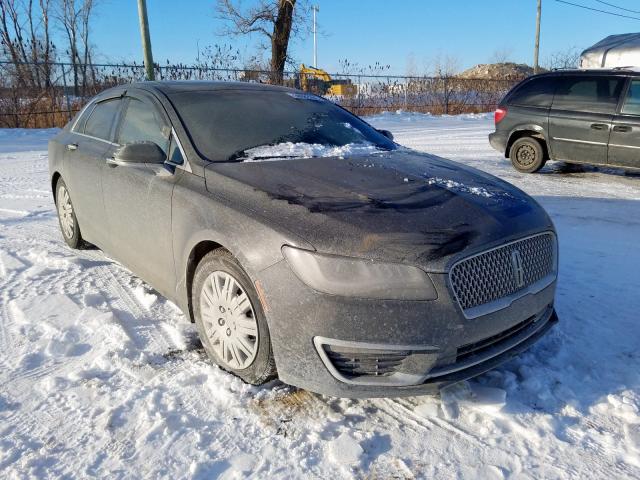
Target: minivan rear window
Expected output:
[588,94]
[537,92]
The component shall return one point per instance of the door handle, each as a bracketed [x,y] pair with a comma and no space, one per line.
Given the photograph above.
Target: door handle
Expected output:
[622,128]
[112,162]
[599,126]
[72,146]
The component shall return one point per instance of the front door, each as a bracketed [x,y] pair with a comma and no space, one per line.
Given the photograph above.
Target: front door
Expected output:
[87,144]
[137,198]
[581,116]
[624,142]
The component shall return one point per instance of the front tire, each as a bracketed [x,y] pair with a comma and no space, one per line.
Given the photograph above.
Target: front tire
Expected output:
[67,217]
[527,155]
[229,318]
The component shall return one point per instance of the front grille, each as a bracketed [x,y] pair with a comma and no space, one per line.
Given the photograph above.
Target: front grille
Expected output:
[482,346]
[352,364]
[492,275]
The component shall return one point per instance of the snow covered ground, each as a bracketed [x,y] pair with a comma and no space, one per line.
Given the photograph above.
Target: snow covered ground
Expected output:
[100,376]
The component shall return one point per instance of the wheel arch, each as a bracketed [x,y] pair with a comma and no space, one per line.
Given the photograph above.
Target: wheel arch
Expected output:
[54,182]
[196,254]
[533,131]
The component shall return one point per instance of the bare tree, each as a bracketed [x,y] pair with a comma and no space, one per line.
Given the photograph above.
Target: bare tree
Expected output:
[277,20]
[74,17]
[25,39]
[445,65]
[411,69]
[501,55]
[49,50]
[569,58]
[445,68]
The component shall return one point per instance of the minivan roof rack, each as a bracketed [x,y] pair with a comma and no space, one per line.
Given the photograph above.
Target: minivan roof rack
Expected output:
[629,67]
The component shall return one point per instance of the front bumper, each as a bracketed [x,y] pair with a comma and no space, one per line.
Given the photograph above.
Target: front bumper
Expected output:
[323,343]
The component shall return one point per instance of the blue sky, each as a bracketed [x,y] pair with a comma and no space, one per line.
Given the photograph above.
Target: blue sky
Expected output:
[365,32]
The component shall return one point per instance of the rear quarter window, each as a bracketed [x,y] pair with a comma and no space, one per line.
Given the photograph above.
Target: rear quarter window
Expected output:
[537,92]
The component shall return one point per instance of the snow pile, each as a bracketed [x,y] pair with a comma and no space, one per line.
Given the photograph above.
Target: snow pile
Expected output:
[291,150]
[100,376]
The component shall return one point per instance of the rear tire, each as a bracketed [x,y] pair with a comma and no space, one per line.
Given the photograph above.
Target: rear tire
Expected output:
[527,155]
[67,217]
[230,320]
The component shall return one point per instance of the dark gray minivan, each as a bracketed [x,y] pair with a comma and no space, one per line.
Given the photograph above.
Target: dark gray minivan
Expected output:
[575,116]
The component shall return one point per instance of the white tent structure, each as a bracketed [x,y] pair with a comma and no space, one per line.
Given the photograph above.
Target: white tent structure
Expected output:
[614,51]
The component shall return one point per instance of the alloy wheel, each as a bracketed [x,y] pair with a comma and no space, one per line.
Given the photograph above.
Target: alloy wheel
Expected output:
[65,212]
[229,320]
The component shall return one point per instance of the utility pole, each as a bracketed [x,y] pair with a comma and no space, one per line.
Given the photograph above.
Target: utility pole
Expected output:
[146,39]
[536,52]
[315,9]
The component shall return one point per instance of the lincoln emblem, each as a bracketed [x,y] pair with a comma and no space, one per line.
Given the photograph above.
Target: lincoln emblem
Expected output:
[518,268]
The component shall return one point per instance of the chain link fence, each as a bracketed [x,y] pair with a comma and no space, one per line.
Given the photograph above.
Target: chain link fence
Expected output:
[38,95]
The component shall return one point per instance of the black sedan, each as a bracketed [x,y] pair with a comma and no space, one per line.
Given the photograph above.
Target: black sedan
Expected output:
[304,243]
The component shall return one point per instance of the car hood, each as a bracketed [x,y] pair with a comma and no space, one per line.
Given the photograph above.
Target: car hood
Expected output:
[399,206]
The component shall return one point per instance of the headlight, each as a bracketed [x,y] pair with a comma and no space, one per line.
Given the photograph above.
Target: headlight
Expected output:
[352,277]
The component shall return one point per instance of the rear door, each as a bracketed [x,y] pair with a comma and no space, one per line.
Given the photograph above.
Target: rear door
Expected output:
[581,117]
[86,145]
[624,142]
[137,197]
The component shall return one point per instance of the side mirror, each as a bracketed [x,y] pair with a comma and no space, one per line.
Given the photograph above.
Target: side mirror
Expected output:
[140,152]
[387,134]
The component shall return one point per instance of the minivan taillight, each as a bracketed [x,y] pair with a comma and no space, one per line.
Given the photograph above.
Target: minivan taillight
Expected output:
[499,115]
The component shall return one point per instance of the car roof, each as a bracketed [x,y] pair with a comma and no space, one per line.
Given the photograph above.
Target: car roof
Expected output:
[172,87]
[621,71]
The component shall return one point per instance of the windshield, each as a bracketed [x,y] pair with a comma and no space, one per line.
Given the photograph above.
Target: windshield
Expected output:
[232,125]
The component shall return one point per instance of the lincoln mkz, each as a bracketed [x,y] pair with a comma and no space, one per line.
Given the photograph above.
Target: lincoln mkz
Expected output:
[304,243]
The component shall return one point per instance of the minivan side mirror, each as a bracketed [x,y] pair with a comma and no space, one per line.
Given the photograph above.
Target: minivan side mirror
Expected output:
[140,152]
[387,134]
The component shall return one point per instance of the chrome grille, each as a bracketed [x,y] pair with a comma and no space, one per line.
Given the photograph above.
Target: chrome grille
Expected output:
[492,275]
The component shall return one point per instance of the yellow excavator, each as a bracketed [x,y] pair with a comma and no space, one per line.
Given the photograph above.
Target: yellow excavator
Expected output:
[316,80]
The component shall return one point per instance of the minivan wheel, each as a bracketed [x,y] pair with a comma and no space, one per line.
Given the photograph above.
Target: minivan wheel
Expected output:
[230,320]
[527,155]
[67,217]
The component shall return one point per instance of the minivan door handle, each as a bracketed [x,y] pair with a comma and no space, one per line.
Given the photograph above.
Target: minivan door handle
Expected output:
[598,126]
[72,146]
[622,128]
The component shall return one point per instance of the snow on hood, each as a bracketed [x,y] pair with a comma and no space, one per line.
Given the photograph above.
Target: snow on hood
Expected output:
[291,150]
[461,187]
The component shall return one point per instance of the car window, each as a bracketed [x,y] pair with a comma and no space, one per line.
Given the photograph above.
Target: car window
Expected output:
[78,124]
[632,102]
[537,92]
[142,123]
[101,118]
[175,155]
[588,94]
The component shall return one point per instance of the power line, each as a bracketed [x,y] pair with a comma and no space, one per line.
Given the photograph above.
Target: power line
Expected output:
[618,7]
[597,10]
